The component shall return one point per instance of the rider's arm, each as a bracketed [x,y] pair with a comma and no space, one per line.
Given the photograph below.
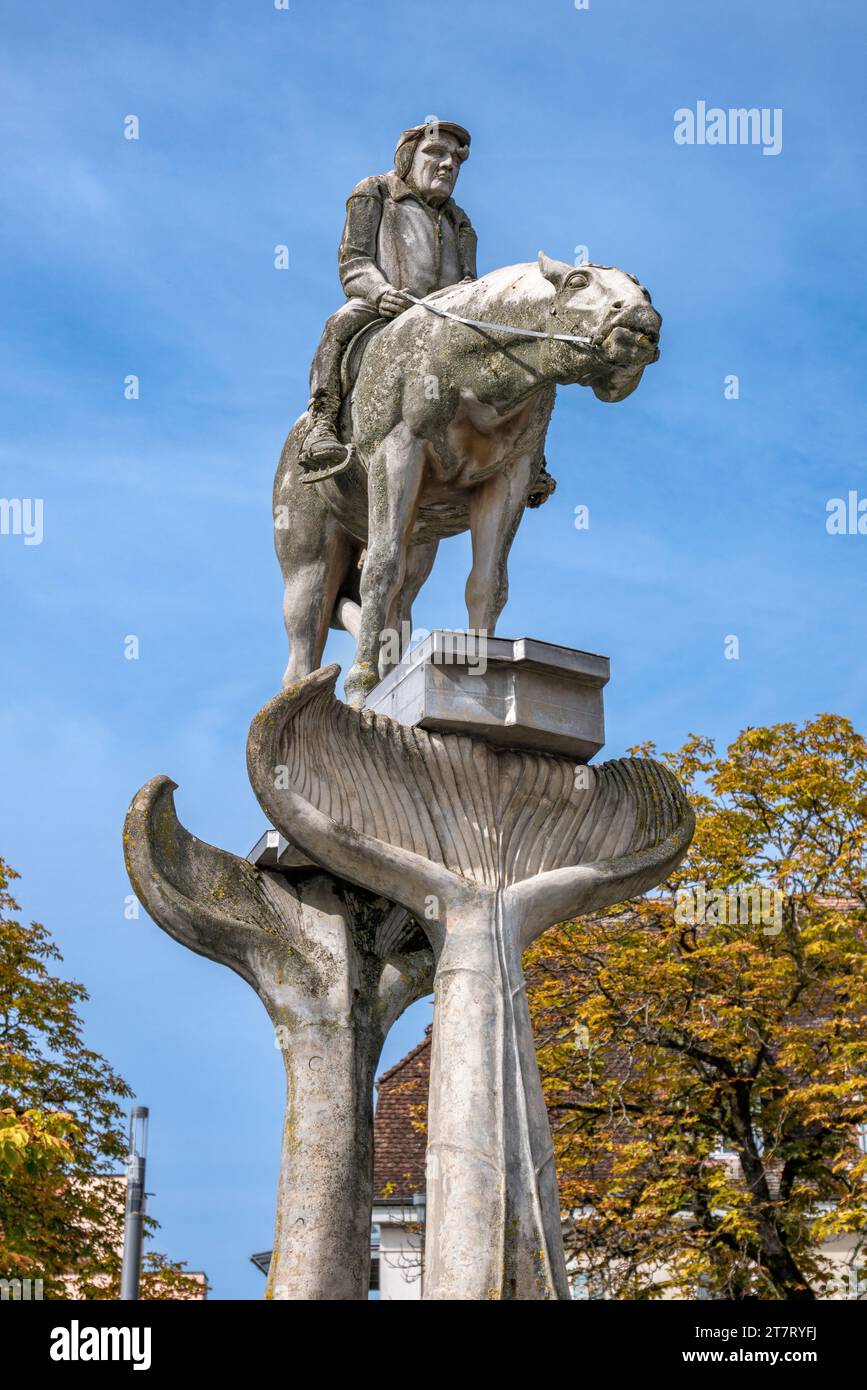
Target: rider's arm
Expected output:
[467,243]
[360,276]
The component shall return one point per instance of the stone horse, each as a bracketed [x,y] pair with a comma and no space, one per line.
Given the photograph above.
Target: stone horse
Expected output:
[447,424]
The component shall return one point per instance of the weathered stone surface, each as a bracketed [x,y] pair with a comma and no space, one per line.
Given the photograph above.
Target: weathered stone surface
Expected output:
[379,826]
[514,691]
[448,424]
[404,236]
[334,967]
[488,848]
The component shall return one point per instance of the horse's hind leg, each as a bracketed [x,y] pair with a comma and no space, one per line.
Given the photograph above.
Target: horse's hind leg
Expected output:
[314,553]
[309,597]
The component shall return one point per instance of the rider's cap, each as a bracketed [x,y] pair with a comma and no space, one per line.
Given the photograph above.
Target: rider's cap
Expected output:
[432,125]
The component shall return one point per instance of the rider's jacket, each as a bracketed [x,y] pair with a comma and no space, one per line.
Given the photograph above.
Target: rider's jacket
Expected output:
[392,239]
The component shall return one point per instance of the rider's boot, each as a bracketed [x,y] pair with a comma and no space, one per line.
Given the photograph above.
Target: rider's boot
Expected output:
[320,447]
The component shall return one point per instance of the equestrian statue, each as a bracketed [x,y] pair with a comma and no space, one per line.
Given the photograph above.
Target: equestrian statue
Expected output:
[431,394]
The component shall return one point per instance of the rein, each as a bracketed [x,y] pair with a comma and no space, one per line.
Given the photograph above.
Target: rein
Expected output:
[333,470]
[501,327]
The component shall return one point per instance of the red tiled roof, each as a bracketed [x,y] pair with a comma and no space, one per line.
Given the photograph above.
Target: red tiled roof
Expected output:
[400,1128]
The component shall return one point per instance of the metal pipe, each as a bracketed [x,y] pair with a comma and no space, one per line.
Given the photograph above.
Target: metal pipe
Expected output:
[134,1208]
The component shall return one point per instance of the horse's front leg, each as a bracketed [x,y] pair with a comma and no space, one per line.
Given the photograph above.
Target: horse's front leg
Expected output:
[496,508]
[394,484]
[419,563]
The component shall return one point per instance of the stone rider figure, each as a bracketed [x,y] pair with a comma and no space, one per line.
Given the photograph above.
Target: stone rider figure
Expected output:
[403,232]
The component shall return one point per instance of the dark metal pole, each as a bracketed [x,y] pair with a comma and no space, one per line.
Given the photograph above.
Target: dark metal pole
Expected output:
[134,1211]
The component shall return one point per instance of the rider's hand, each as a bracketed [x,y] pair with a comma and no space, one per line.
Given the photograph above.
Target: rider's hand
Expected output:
[391,303]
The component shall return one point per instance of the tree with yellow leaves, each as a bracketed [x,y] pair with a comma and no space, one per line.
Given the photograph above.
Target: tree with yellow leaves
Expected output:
[704,1050]
[61,1133]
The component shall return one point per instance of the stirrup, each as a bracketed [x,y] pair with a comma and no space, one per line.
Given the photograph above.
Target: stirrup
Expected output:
[332,470]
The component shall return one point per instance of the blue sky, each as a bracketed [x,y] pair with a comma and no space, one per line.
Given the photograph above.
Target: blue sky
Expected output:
[155,257]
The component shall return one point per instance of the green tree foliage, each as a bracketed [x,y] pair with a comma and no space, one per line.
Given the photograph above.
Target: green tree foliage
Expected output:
[668,1043]
[62,1131]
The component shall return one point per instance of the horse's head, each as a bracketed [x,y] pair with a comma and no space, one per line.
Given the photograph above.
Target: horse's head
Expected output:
[614,311]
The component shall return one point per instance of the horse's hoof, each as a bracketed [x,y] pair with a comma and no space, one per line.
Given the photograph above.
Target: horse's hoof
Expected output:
[360,680]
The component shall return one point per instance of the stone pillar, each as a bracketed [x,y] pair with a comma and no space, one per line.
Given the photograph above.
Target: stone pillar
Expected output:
[334,969]
[486,847]
[493,1227]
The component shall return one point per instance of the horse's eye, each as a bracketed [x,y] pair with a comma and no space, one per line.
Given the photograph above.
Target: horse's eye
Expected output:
[578,280]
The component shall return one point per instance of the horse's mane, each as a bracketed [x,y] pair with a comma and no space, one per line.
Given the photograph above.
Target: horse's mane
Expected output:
[493,288]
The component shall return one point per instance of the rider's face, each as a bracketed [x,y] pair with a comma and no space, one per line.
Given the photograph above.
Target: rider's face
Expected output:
[435,165]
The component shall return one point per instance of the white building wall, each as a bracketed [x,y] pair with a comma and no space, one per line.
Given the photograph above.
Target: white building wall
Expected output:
[401,1241]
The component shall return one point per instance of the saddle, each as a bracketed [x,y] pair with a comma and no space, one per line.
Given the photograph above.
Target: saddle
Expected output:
[352,357]
[350,366]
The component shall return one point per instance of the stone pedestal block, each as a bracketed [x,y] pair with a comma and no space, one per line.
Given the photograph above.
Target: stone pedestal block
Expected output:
[511,691]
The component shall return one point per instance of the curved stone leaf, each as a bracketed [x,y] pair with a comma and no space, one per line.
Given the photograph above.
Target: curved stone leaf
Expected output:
[214,902]
[394,806]
[333,971]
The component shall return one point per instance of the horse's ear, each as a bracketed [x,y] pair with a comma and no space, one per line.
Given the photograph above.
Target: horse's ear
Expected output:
[555,271]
